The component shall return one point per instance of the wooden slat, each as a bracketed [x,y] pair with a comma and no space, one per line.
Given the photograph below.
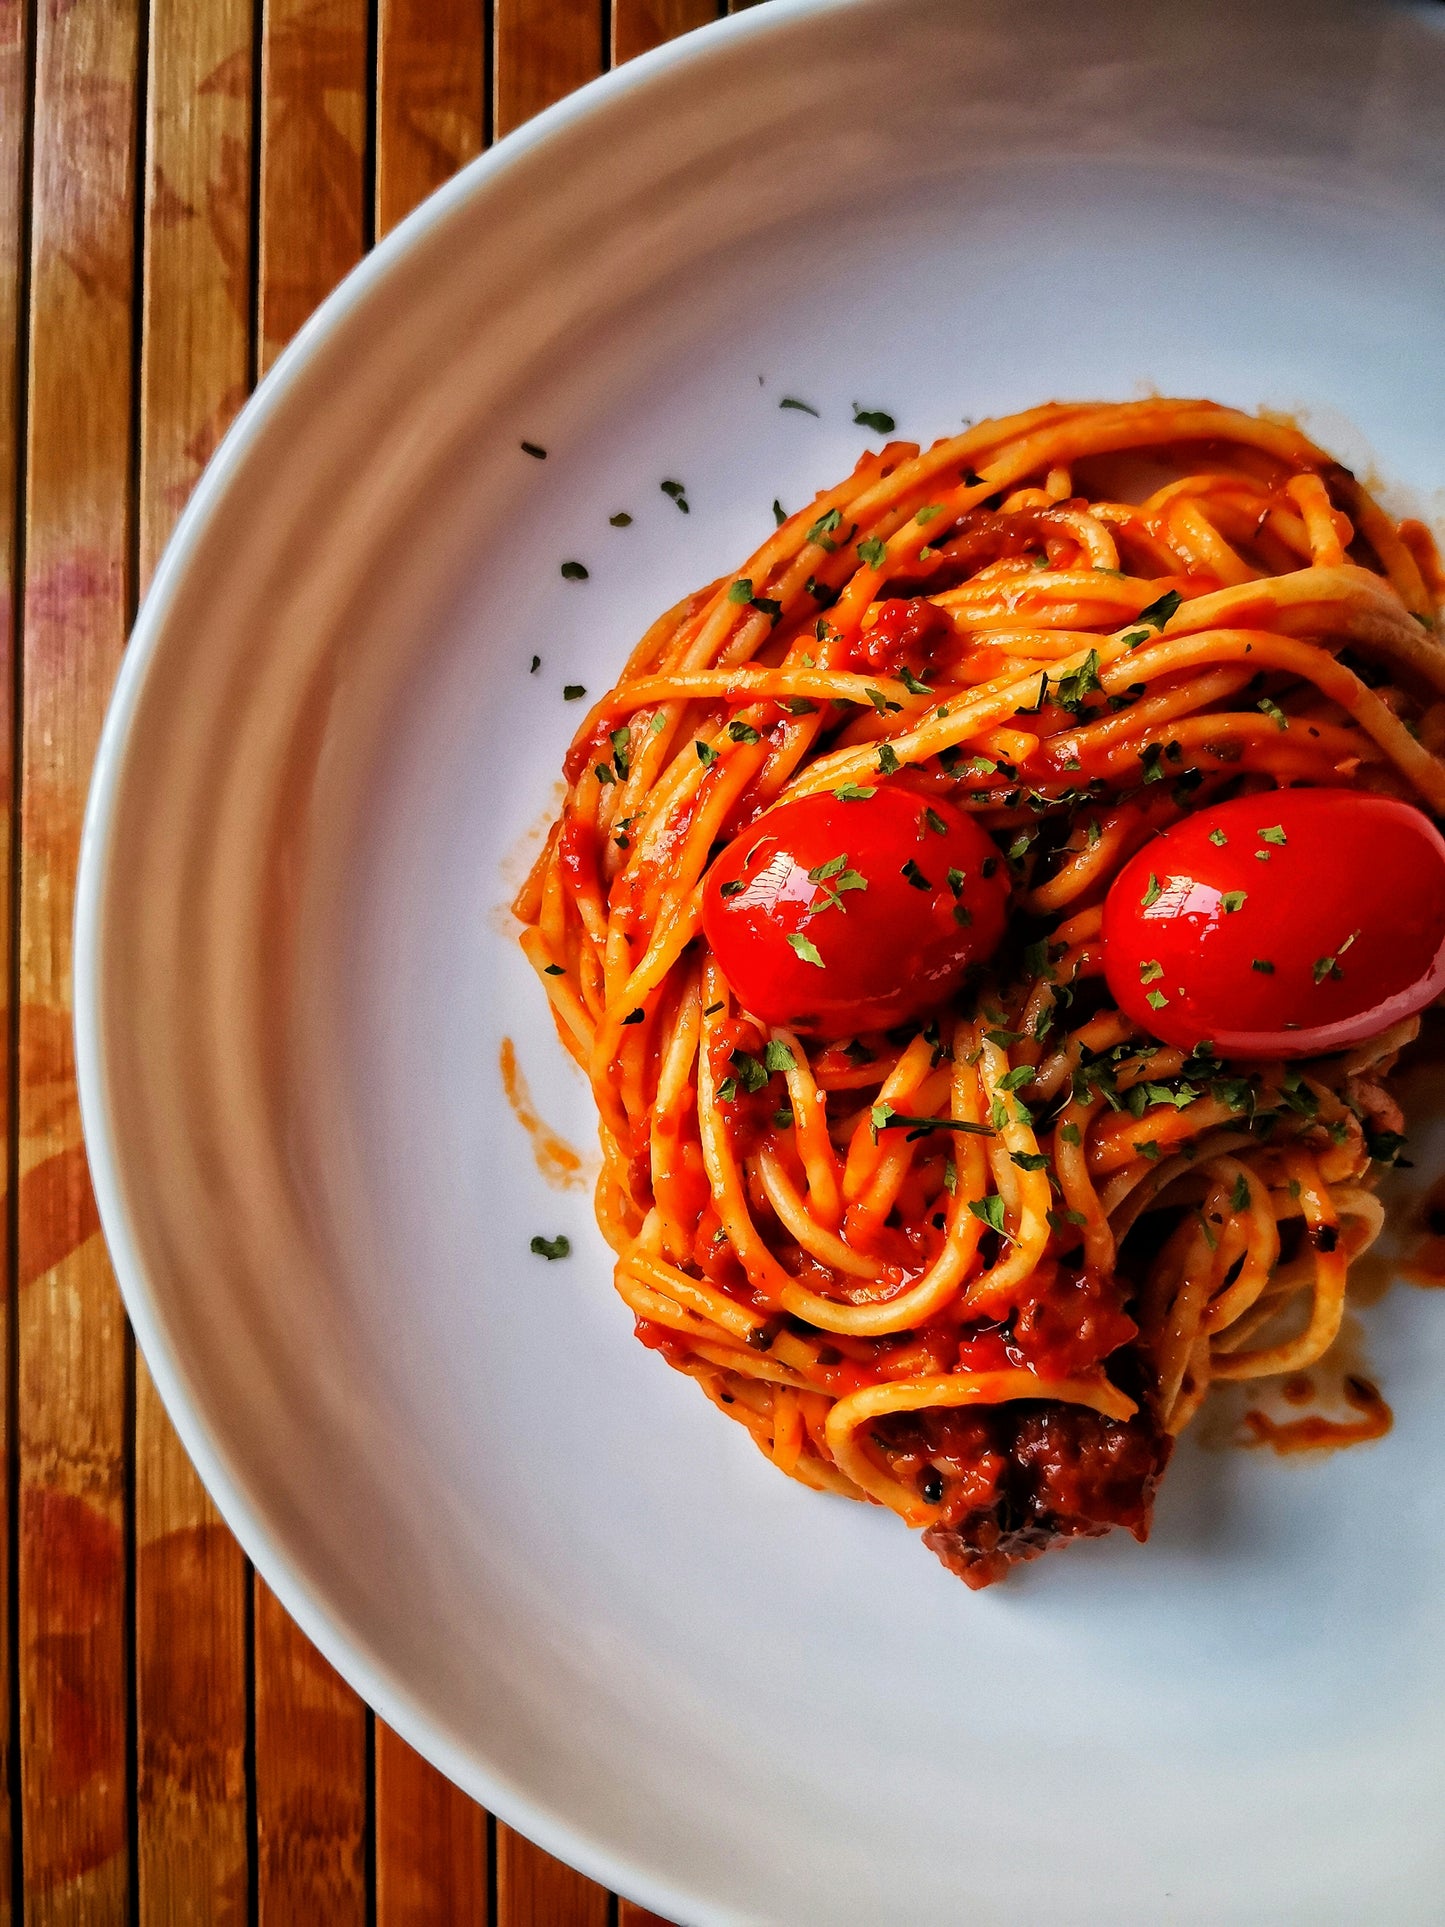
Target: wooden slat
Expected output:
[429,99]
[190,1578]
[13,157]
[545,48]
[431,1843]
[313,129]
[311,1802]
[638,25]
[71,1335]
[629,1914]
[310,1781]
[533,1890]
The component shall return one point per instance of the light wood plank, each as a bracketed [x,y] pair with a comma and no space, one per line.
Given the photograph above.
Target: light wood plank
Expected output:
[190,1575]
[431,1843]
[310,1781]
[544,48]
[13,69]
[313,129]
[71,1331]
[638,25]
[429,101]
[534,1890]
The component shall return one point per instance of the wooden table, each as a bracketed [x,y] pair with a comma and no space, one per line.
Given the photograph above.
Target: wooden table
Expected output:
[180,183]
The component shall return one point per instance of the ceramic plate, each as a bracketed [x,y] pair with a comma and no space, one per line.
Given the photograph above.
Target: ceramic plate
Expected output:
[534,1549]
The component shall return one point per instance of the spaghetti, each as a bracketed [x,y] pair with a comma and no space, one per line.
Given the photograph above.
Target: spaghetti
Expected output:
[981,1264]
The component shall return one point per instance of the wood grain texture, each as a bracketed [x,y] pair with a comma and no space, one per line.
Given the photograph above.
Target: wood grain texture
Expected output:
[71,1336]
[534,1890]
[544,49]
[310,1781]
[430,99]
[190,1576]
[14,64]
[431,1843]
[638,25]
[629,1914]
[314,84]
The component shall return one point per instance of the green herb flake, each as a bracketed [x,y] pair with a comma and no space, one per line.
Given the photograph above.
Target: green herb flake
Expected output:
[677,493]
[574,572]
[778,1057]
[936,823]
[1156,1000]
[1158,613]
[572,690]
[780,514]
[805,948]
[1071,1134]
[742,732]
[853,793]
[741,590]
[1218,838]
[989,1210]
[1151,972]
[873,552]
[558,1247]
[727,1090]
[706,754]
[1263,966]
[1134,637]
[887,759]
[911,683]
[1232,900]
[1275,834]
[535,450]
[1029,1160]
[803,408]
[553,970]
[1273,711]
[823,529]
[873,418]
[1152,893]
[915,876]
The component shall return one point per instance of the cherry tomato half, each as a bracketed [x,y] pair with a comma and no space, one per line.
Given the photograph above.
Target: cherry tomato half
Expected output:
[836,915]
[1280,925]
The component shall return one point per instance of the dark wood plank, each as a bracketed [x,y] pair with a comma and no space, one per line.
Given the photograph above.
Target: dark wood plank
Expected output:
[429,99]
[431,1843]
[534,1890]
[71,1335]
[544,49]
[314,83]
[310,1780]
[311,1803]
[638,25]
[190,1576]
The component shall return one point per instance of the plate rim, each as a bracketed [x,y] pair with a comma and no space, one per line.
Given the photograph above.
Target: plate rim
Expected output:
[363,1669]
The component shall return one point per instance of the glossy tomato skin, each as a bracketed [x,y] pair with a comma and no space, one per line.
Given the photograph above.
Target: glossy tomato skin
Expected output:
[1280,925]
[892,931]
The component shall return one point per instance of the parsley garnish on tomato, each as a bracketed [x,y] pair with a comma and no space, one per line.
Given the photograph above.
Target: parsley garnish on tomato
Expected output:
[1339,936]
[822,917]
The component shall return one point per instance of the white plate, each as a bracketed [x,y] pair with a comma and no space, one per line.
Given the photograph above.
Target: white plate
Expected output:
[533,1548]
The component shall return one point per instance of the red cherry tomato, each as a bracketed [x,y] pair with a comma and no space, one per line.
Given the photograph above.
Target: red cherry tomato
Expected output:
[1280,925]
[836,916]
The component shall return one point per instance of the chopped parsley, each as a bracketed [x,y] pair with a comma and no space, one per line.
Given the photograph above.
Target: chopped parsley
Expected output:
[677,493]
[910,682]
[1071,1134]
[1274,835]
[706,754]
[572,690]
[1151,972]
[1158,613]
[1274,712]
[887,759]
[873,552]
[822,530]
[1218,838]
[1263,966]
[1156,1000]
[558,1247]
[535,450]
[803,408]
[1232,900]
[873,418]
[742,732]
[989,1210]
[805,948]
[1153,892]
[935,822]
[574,572]
[536,665]
[741,590]
[853,793]
[778,1057]
[780,514]
[1070,690]
[881,702]
[622,520]
[553,970]
[956,882]
[751,1073]
[915,876]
